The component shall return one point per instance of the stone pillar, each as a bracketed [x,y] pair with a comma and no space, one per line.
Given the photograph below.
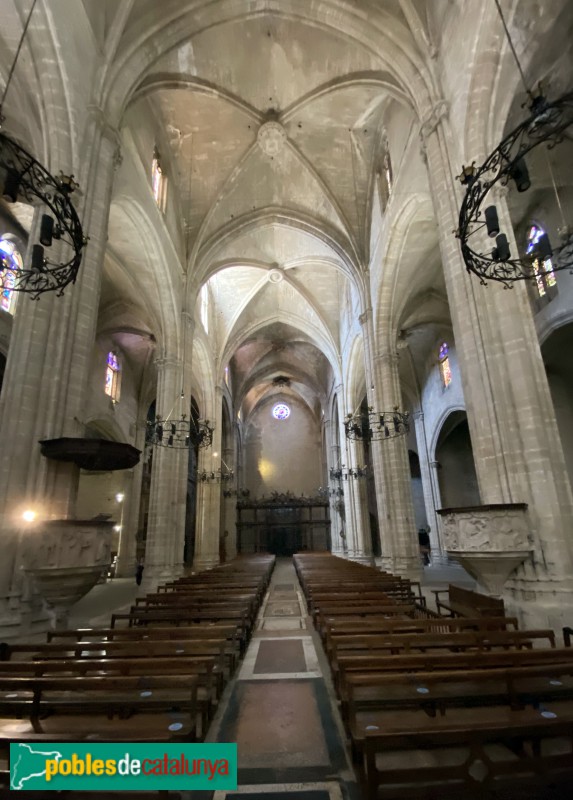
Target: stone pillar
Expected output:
[229,507]
[400,553]
[126,557]
[398,534]
[517,449]
[47,371]
[333,461]
[429,476]
[209,500]
[361,547]
[168,491]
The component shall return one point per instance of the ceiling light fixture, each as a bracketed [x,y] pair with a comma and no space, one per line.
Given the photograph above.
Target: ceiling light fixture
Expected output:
[546,124]
[24,179]
[372,426]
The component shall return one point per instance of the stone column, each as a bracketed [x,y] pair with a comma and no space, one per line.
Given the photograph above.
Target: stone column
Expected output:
[168,491]
[428,474]
[399,542]
[47,370]
[333,461]
[126,557]
[361,549]
[229,506]
[517,449]
[401,553]
[209,500]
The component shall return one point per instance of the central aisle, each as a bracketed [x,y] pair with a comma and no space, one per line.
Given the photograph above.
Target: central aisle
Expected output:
[281,710]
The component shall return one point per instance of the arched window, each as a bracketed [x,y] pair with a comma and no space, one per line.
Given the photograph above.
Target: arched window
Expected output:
[204,307]
[544,275]
[11,262]
[112,377]
[444,362]
[158,180]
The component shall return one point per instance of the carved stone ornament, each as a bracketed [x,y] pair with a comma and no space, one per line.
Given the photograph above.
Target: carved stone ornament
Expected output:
[271,138]
[490,542]
[498,528]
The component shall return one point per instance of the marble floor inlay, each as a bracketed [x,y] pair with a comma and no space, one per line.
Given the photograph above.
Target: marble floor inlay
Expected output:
[279,725]
[280,656]
[282,609]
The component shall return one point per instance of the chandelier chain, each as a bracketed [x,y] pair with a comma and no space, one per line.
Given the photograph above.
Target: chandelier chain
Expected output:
[509,39]
[16,55]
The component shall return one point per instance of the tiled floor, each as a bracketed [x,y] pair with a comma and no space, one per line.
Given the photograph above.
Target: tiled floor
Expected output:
[281,709]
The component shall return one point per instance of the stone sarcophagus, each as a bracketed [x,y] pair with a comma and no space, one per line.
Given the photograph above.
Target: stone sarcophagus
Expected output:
[489,541]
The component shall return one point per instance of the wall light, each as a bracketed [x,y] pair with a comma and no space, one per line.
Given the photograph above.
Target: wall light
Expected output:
[29,516]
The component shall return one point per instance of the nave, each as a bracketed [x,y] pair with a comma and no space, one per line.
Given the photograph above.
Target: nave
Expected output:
[337,682]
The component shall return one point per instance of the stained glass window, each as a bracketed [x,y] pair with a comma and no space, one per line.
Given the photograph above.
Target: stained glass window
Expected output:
[281,411]
[11,262]
[444,361]
[158,181]
[112,377]
[544,275]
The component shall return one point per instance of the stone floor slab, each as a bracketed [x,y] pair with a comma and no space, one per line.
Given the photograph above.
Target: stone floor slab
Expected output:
[280,656]
[279,725]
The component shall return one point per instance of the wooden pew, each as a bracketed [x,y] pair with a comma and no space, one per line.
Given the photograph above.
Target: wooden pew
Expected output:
[465,603]
[125,708]
[182,600]
[209,681]
[524,757]
[390,626]
[233,634]
[385,700]
[465,659]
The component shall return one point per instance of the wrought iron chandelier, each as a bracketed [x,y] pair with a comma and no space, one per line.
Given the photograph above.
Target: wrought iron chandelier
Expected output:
[180,432]
[342,473]
[547,124]
[25,180]
[216,476]
[372,426]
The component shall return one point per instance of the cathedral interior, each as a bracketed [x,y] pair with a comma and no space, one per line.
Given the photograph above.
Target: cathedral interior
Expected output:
[270,369]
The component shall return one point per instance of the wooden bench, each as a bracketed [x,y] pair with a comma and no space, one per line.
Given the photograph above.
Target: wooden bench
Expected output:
[173,616]
[124,708]
[388,626]
[246,603]
[521,758]
[209,681]
[409,662]
[473,696]
[233,634]
[465,603]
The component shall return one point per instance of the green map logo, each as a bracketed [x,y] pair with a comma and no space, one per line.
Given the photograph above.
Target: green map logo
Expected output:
[28,762]
[122,766]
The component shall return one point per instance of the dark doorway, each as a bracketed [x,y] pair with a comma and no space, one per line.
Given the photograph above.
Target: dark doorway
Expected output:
[456,471]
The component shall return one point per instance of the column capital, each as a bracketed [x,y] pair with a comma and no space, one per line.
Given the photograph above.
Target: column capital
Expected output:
[167,362]
[434,464]
[418,415]
[365,316]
